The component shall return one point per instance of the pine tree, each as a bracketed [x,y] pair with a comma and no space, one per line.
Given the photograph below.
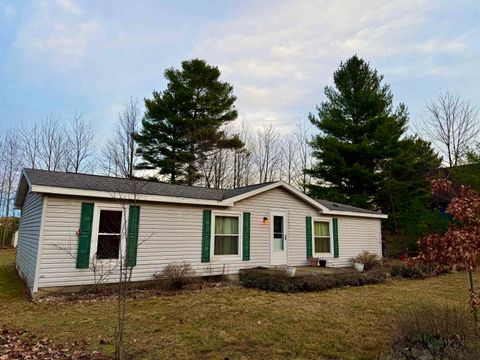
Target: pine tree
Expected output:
[359,131]
[183,124]
[364,158]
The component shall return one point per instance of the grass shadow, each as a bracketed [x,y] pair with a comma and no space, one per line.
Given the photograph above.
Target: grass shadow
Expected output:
[11,286]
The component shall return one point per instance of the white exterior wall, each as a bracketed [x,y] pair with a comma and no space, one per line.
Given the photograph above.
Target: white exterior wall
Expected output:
[173,232]
[28,238]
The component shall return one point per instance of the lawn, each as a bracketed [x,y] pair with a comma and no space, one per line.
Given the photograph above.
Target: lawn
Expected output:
[232,322]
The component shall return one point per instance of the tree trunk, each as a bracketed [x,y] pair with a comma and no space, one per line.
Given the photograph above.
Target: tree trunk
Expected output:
[473,299]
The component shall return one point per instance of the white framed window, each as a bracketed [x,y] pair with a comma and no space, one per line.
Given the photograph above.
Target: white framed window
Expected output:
[108,241]
[226,236]
[322,237]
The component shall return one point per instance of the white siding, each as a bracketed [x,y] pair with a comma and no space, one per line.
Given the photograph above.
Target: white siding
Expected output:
[173,232]
[356,235]
[28,238]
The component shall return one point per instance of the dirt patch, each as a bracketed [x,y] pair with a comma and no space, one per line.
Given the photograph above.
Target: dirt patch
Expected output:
[19,344]
[105,296]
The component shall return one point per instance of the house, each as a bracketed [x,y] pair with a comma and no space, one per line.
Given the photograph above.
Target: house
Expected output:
[75,224]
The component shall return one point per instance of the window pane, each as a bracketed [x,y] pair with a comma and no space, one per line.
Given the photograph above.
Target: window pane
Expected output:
[226,225]
[226,245]
[321,228]
[110,222]
[322,245]
[278,224]
[108,246]
[278,244]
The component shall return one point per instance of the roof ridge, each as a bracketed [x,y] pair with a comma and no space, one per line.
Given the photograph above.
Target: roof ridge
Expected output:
[246,186]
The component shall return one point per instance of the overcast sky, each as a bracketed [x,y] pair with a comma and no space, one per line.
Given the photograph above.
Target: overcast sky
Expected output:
[90,57]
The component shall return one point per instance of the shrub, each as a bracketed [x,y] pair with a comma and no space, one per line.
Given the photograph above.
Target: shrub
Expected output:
[409,272]
[274,280]
[267,279]
[432,268]
[368,259]
[176,275]
[433,332]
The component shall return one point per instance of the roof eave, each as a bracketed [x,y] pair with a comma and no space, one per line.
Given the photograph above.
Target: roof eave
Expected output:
[124,196]
[23,187]
[178,200]
[323,209]
[357,214]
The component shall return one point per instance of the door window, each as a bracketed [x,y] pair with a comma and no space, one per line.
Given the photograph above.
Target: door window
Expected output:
[278,233]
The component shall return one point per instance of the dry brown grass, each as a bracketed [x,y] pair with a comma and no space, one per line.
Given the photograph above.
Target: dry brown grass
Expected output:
[348,323]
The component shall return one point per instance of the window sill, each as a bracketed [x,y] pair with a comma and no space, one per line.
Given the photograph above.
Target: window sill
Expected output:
[323,255]
[110,262]
[219,258]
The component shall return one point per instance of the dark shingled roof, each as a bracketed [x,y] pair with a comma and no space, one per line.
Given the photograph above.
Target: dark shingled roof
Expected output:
[330,205]
[144,187]
[116,185]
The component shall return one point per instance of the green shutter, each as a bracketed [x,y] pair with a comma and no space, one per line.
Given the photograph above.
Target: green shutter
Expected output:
[85,236]
[246,236]
[206,232]
[335,238]
[309,236]
[132,235]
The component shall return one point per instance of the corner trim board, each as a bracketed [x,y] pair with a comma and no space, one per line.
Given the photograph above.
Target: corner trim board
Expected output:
[40,245]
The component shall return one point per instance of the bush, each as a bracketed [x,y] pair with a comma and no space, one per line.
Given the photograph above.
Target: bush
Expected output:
[278,281]
[432,268]
[176,275]
[368,259]
[409,272]
[267,279]
[433,332]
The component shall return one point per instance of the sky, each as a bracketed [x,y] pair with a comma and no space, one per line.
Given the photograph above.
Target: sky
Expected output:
[91,57]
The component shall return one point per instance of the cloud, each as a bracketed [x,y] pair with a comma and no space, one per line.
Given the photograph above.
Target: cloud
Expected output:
[281,54]
[8,11]
[67,44]
[278,54]
[70,6]
[444,45]
[58,36]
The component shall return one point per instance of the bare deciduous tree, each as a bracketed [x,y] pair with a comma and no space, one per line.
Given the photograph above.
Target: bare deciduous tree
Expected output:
[267,153]
[11,163]
[80,140]
[242,158]
[305,155]
[120,151]
[52,144]
[453,126]
[290,159]
[30,146]
[118,270]
[217,169]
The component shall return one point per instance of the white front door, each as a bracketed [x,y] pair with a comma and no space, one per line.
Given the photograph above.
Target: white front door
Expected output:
[278,236]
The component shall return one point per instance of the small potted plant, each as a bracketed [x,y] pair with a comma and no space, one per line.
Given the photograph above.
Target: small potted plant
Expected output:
[359,266]
[365,261]
[322,262]
[313,262]
[290,270]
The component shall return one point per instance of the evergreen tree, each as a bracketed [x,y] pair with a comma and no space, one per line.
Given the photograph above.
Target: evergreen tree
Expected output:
[182,125]
[365,159]
[405,195]
[359,131]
